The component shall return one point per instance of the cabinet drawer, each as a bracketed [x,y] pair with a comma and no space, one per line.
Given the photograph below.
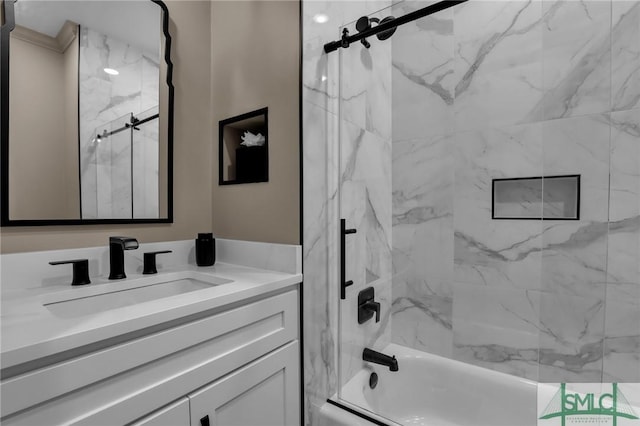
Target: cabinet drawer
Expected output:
[127,381]
[263,393]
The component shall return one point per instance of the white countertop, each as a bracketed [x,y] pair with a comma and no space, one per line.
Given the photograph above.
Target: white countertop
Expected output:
[30,331]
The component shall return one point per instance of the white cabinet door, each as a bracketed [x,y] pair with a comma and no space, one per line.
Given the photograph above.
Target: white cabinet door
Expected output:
[263,393]
[176,414]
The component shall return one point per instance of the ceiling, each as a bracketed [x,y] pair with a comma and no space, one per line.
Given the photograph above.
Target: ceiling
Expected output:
[137,22]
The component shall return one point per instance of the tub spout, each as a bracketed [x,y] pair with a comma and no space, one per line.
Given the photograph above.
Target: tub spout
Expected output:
[379,358]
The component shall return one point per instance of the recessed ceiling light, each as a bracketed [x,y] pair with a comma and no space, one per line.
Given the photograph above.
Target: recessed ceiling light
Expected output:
[111,71]
[320,18]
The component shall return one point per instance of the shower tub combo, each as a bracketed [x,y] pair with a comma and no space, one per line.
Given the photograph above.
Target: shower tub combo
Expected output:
[481,207]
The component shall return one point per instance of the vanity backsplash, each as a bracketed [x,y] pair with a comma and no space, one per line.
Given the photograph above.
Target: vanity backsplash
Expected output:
[32,269]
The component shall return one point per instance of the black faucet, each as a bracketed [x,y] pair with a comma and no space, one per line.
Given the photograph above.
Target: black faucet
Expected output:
[379,358]
[117,246]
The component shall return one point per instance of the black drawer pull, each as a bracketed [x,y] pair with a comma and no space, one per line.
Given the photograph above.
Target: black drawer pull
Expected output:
[204,421]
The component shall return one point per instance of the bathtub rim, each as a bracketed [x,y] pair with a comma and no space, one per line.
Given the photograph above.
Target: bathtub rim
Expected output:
[405,352]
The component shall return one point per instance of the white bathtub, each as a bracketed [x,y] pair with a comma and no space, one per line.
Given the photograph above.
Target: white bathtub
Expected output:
[434,391]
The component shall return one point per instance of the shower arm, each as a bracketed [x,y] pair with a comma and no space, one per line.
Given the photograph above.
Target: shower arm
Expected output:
[346,39]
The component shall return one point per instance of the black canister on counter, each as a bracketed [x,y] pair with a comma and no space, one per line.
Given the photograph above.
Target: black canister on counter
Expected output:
[205,249]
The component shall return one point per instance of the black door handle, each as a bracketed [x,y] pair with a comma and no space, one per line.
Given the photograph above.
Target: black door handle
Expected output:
[343,263]
[204,421]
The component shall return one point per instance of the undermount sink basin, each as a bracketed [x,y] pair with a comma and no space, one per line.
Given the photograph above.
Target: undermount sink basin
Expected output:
[121,297]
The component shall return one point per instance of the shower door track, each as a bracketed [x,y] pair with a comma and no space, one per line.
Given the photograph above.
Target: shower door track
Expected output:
[346,39]
[356,412]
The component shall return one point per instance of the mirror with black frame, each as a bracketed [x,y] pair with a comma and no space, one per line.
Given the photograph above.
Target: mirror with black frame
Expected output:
[87,112]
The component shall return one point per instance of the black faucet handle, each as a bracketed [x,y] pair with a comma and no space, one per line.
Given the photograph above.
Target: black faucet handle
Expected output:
[80,270]
[374,307]
[150,261]
[367,305]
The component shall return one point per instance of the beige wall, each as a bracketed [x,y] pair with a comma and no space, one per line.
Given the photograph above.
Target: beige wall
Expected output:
[44,134]
[193,153]
[255,64]
[230,57]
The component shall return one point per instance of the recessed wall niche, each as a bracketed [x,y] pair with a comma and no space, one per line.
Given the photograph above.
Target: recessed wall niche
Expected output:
[542,197]
[243,148]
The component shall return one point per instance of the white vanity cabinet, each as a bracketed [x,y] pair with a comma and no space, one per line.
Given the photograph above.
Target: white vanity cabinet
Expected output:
[237,364]
[264,393]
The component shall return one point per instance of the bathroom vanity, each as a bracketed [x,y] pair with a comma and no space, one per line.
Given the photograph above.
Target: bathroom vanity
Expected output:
[188,346]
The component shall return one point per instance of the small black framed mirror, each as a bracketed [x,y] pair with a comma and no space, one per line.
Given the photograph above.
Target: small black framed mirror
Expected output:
[243,155]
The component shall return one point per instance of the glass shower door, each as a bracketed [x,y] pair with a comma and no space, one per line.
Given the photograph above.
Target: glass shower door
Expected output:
[146,161]
[120,178]
[365,206]
[110,194]
[496,220]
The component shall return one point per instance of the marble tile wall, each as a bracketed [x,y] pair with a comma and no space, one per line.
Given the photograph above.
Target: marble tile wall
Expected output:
[423,120]
[537,88]
[105,103]
[622,314]
[484,90]
[145,167]
[113,163]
